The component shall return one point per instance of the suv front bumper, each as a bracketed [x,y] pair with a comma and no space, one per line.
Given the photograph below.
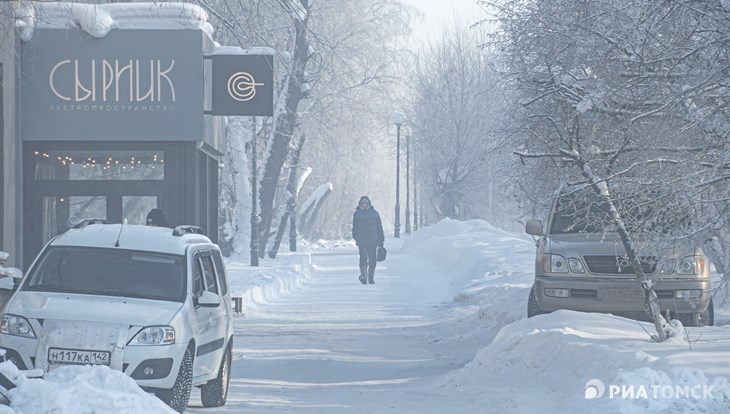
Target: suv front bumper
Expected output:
[621,296]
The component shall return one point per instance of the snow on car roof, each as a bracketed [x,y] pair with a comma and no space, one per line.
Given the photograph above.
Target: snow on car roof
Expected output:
[134,237]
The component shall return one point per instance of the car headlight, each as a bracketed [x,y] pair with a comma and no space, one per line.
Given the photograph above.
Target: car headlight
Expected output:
[691,265]
[16,325]
[576,266]
[554,263]
[154,335]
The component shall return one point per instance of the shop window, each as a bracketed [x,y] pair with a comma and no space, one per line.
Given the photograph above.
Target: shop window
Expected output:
[61,213]
[135,208]
[99,165]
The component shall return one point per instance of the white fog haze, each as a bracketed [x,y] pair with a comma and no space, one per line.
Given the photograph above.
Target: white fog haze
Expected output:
[365,206]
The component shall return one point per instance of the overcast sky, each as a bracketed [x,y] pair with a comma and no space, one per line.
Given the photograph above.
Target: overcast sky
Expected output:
[438,13]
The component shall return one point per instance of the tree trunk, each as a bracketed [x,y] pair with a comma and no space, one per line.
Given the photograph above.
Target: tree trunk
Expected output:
[285,120]
[290,203]
[651,306]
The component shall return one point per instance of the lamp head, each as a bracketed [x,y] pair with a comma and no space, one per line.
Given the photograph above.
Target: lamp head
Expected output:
[399,118]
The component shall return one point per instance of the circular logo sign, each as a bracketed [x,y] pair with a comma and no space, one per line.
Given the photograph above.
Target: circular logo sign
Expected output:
[242,86]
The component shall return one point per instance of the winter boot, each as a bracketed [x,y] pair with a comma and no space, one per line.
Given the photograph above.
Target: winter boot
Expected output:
[371,275]
[363,275]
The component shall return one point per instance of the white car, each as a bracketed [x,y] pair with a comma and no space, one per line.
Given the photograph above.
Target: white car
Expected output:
[152,302]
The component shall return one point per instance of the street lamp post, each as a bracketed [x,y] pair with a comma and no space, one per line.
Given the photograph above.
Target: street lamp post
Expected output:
[398,119]
[408,181]
[254,196]
[415,188]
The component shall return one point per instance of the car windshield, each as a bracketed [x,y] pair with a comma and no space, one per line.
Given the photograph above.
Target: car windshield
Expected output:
[578,216]
[109,272]
[584,213]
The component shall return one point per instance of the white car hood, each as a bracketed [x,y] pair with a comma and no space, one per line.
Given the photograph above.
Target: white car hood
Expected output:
[91,308]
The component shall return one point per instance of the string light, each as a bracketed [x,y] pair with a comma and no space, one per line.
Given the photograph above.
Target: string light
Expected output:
[105,163]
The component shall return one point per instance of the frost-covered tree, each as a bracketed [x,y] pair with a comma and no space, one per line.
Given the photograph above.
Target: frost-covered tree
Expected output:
[334,62]
[630,100]
[456,108]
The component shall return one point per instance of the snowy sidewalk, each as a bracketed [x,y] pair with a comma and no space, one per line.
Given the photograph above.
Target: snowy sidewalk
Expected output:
[443,331]
[337,346]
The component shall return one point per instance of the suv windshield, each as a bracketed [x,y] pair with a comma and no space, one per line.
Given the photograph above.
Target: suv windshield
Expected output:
[577,217]
[109,272]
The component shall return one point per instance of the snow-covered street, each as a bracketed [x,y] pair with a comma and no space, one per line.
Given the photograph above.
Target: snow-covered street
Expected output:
[421,338]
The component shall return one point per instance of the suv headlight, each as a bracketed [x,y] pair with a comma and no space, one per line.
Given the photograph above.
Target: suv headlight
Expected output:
[154,335]
[16,325]
[576,266]
[691,265]
[554,263]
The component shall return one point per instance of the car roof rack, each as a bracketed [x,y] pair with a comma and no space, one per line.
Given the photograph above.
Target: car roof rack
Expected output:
[187,229]
[85,222]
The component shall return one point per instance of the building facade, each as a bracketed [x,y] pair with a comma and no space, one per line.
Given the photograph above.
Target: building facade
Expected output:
[106,125]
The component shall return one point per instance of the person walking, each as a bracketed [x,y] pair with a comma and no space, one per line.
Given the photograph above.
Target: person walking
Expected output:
[367,230]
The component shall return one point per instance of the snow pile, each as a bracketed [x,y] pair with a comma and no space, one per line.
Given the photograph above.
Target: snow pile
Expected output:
[273,279]
[565,352]
[79,390]
[99,20]
[685,391]
[8,271]
[489,267]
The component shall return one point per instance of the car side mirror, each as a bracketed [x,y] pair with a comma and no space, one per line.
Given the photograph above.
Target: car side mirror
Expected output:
[209,300]
[534,227]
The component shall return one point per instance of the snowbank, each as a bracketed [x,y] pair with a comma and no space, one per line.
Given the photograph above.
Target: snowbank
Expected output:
[489,267]
[551,363]
[273,279]
[566,352]
[99,20]
[78,390]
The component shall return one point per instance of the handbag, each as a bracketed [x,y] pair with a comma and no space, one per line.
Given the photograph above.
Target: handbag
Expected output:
[380,256]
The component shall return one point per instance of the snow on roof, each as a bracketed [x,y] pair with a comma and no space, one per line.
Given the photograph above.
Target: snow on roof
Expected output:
[133,237]
[99,19]
[235,50]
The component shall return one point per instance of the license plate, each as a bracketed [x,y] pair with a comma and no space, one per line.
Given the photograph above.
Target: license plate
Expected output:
[619,295]
[74,356]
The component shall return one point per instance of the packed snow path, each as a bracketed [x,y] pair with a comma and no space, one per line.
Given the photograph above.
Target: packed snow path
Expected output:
[336,345]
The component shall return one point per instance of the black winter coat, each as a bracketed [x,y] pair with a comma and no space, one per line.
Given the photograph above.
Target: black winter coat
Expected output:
[367,228]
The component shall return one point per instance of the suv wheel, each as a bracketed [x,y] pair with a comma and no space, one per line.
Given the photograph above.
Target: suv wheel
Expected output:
[533,308]
[178,396]
[215,392]
[706,318]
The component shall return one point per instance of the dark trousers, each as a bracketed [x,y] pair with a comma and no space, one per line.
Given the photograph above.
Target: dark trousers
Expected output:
[368,256]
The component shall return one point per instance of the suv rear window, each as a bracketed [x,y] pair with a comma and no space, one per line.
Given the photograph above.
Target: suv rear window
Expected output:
[109,272]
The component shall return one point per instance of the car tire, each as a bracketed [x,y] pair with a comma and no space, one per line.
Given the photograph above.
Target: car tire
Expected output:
[533,309]
[215,392]
[706,318]
[178,396]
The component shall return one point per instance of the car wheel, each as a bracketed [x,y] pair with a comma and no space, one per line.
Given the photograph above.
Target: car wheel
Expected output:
[215,392]
[533,308]
[178,396]
[706,318]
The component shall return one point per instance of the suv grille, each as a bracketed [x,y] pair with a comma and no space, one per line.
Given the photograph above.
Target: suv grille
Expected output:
[612,265]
